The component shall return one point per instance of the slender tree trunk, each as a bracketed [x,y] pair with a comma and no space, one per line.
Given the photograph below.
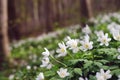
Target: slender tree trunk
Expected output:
[4,42]
[89,8]
[35,11]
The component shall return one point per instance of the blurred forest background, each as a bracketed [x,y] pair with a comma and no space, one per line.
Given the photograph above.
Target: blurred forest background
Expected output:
[24,18]
[32,17]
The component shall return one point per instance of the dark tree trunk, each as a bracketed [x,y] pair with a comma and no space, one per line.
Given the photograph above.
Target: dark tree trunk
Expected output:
[49,16]
[12,17]
[86,10]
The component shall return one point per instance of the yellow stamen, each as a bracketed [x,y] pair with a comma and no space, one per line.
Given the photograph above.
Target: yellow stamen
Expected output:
[62,50]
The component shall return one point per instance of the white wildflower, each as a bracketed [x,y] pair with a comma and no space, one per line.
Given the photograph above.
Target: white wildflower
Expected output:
[113,26]
[45,62]
[63,73]
[11,77]
[116,35]
[118,77]
[105,18]
[103,75]
[80,78]
[35,67]
[86,30]
[72,44]
[62,49]
[104,40]
[118,49]
[118,57]
[99,33]
[49,66]
[28,67]
[86,44]
[46,53]
[40,76]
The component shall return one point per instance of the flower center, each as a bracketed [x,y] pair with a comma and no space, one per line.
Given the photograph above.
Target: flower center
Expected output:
[62,50]
[86,46]
[104,40]
[46,61]
[105,77]
[62,74]
[74,45]
[118,37]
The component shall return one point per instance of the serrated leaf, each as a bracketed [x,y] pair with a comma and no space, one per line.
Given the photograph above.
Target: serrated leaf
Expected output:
[78,71]
[92,77]
[105,67]
[116,72]
[87,64]
[103,61]
[98,64]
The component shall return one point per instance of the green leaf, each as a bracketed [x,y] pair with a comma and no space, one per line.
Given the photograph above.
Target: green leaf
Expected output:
[113,67]
[73,62]
[105,67]
[87,64]
[49,73]
[92,77]
[98,64]
[78,71]
[55,78]
[116,72]
[103,61]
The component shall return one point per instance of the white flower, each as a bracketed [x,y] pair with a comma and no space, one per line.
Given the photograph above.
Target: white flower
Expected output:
[28,67]
[35,67]
[62,49]
[46,53]
[103,75]
[45,62]
[72,44]
[118,49]
[40,76]
[105,18]
[118,57]
[11,77]
[113,26]
[86,44]
[118,77]
[63,73]
[49,66]
[104,40]
[80,78]
[116,34]
[99,33]
[86,30]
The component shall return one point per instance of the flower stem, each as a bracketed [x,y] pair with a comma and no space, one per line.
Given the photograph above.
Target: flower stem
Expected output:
[70,55]
[58,61]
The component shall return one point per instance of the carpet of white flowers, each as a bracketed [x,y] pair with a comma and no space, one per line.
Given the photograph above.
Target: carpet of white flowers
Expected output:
[89,53]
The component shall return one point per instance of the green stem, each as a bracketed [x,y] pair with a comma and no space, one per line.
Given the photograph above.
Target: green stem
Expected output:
[58,61]
[93,56]
[70,55]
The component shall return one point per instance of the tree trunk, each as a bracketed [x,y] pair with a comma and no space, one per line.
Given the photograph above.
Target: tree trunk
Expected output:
[89,8]
[49,19]
[4,42]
